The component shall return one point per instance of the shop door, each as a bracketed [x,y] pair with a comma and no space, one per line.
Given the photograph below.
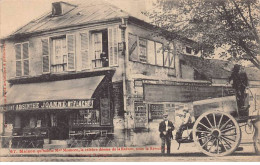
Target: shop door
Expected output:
[63,126]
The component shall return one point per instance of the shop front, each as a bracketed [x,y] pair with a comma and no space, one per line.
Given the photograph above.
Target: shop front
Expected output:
[49,114]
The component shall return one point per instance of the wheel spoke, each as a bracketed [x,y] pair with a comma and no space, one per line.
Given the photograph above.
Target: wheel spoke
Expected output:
[224,125]
[223,144]
[204,126]
[203,131]
[214,118]
[220,120]
[229,134]
[227,142]
[217,147]
[204,137]
[228,129]
[212,144]
[206,143]
[228,139]
[208,121]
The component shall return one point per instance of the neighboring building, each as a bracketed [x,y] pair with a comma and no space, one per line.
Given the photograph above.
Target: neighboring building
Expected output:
[89,70]
[218,72]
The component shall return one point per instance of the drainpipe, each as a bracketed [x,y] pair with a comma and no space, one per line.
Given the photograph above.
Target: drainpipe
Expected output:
[123,34]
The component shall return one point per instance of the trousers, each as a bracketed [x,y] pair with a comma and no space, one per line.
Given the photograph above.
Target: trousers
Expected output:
[167,140]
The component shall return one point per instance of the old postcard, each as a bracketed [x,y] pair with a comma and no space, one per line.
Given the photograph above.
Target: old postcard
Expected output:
[132,80]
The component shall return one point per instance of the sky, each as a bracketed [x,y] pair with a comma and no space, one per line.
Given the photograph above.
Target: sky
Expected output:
[16,13]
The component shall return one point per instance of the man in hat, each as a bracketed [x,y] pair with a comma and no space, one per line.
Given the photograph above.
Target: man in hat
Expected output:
[240,82]
[165,128]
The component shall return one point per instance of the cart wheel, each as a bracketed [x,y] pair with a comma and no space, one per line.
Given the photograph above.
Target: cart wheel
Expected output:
[216,133]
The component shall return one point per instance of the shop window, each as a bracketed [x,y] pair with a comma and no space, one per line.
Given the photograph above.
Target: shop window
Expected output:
[85,117]
[22,59]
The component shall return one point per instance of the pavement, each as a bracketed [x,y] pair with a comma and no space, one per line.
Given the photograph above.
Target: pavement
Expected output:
[188,149]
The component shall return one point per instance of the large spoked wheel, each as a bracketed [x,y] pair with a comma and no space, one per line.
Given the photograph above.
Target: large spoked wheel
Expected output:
[216,133]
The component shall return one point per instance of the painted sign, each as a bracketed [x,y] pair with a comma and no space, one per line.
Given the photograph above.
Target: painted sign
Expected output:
[182,93]
[40,105]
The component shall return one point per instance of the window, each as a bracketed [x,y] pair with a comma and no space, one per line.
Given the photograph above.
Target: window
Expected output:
[105,46]
[100,39]
[145,51]
[188,50]
[142,50]
[22,59]
[58,54]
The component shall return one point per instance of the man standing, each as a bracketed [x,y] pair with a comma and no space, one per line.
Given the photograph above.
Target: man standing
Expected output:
[165,128]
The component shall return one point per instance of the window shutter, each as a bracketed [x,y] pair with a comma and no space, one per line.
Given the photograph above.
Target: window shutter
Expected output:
[45,56]
[151,52]
[132,47]
[113,46]
[25,59]
[18,55]
[71,51]
[84,50]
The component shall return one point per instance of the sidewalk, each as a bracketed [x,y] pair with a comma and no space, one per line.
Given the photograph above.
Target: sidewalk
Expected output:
[186,149]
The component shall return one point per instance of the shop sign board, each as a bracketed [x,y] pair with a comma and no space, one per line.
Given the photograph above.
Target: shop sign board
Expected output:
[182,93]
[42,105]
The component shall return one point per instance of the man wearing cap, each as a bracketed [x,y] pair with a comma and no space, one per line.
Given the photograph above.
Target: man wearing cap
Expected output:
[165,128]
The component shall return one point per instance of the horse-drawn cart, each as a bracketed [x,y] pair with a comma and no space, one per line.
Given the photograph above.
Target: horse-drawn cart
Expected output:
[216,130]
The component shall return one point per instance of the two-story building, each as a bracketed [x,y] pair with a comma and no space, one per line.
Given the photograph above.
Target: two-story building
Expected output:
[88,70]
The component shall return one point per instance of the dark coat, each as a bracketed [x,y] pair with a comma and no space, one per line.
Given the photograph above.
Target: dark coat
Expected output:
[162,127]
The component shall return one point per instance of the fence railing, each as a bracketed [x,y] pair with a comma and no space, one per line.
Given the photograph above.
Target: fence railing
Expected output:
[10,142]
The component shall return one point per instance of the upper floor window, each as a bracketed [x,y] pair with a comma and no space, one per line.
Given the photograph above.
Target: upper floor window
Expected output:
[58,54]
[105,47]
[151,52]
[22,59]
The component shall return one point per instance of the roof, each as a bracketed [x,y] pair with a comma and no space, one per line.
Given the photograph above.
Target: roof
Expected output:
[90,11]
[217,69]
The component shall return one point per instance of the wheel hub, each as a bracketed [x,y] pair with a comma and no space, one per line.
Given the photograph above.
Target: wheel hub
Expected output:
[216,133]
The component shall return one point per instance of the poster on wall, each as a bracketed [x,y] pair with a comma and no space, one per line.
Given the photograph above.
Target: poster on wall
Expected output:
[140,118]
[105,111]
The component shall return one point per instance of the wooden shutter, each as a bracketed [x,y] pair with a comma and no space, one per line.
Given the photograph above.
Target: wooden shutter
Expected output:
[84,50]
[18,59]
[45,56]
[25,58]
[132,47]
[151,52]
[71,51]
[113,46]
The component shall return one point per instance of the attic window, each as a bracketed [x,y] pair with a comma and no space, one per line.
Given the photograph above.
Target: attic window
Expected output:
[56,9]
[60,8]
[188,50]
